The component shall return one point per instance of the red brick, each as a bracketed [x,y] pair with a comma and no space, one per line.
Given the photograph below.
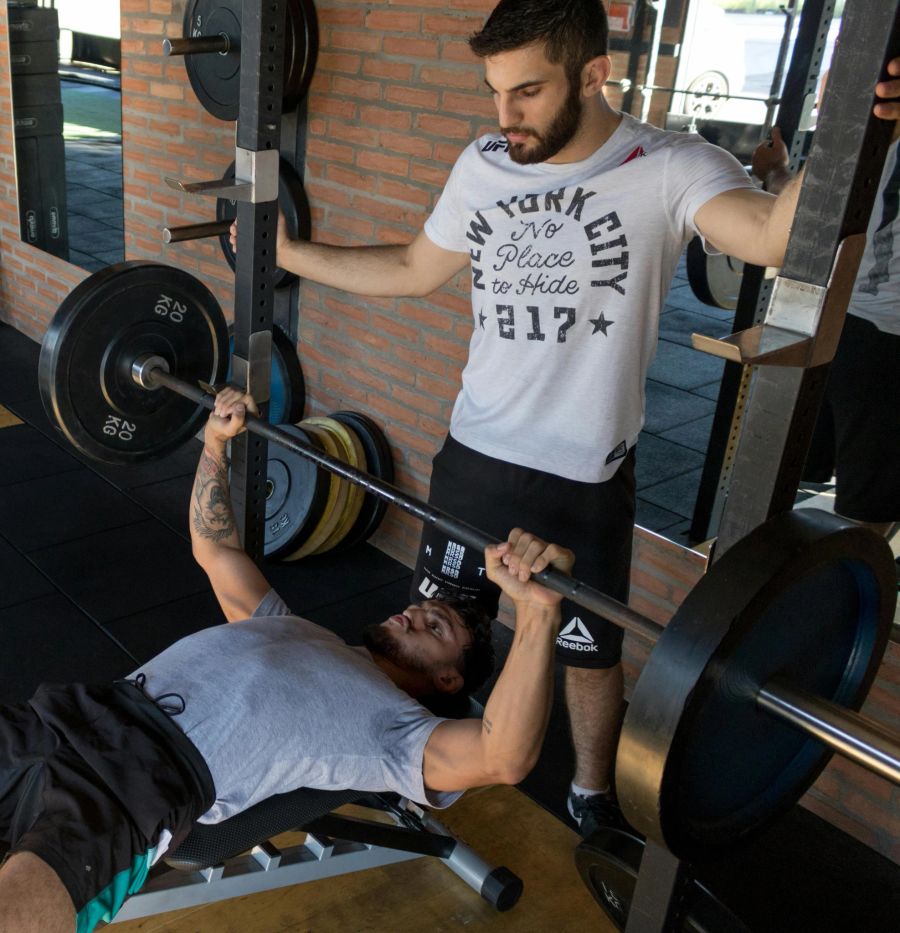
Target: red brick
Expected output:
[439,25]
[379,162]
[400,191]
[391,70]
[409,144]
[355,40]
[367,90]
[393,21]
[412,97]
[383,118]
[338,61]
[406,47]
[444,127]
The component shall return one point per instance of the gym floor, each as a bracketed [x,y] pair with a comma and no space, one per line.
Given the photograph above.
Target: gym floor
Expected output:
[96,575]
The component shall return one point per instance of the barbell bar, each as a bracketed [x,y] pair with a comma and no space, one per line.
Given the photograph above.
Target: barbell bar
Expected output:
[850,735]
[768,655]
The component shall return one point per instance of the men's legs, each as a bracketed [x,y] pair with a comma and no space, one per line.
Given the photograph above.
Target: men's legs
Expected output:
[594,700]
[596,521]
[32,898]
[864,375]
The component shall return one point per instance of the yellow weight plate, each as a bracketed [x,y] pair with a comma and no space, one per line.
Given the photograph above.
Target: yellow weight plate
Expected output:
[354,455]
[337,497]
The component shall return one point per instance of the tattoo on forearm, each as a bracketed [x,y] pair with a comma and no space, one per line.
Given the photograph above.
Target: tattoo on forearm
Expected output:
[212,514]
[487,725]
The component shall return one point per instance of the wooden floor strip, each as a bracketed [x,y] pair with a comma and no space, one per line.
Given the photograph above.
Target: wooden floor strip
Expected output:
[7,418]
[423,896]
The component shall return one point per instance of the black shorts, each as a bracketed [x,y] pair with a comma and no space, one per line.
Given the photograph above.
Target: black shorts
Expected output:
[595,520]
[90,777]
[857,436]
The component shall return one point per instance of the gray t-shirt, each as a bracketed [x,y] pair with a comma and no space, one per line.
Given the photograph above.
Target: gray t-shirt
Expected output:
[570,266]
[276,702]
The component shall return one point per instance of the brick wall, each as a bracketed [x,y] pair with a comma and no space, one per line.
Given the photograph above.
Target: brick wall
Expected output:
[395,98]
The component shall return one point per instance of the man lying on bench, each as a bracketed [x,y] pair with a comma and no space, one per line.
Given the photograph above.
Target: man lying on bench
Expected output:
[96,782]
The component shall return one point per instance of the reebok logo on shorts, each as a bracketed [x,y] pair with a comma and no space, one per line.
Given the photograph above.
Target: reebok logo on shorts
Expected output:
[576,637]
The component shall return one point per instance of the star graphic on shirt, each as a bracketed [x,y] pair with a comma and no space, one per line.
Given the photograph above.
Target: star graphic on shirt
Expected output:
[482,317]
[600,323]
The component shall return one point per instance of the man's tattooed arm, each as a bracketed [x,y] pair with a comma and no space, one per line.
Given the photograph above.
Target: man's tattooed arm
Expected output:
[212,517]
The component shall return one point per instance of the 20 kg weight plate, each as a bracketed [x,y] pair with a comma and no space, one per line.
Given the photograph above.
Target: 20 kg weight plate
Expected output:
[111,318]
[806,597]
[292,203]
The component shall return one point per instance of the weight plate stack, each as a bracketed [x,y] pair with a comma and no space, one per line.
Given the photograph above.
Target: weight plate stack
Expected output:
[296,495]
[292,203]
[287,388]
[337,498]
[379,463]
[114,317]
[351,452]
[216,76]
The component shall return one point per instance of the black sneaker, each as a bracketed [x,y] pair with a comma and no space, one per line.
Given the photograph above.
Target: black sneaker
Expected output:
[596,812]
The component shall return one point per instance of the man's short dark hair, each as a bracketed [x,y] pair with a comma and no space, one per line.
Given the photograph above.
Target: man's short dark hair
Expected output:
[572,31]
[477,662]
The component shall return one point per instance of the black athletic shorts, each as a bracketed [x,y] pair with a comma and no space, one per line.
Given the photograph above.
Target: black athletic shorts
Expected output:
[90,777]
[595,520]
[857,435]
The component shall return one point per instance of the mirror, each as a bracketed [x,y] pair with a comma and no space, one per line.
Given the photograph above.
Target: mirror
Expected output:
[65,64]
[728,63]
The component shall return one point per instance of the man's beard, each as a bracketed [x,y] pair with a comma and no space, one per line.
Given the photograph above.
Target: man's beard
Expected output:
[380,640]
[557,136]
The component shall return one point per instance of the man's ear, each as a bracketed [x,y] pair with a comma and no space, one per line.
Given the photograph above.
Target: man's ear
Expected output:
[595,74]
[448,680]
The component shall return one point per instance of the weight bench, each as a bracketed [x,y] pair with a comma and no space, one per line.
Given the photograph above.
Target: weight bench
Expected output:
[237,857]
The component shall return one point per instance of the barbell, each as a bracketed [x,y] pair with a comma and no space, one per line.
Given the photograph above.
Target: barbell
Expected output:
[756,677]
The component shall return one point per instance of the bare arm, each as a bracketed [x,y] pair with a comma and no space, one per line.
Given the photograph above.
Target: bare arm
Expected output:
[753,225]
[750,224]
[413,270]
[236,580]
[504,745]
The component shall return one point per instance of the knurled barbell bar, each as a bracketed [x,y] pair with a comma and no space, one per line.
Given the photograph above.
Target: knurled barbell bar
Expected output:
[763,664]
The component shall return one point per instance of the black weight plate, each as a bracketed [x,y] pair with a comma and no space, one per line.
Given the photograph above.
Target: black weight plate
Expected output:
[296,493]
[291,386]
[806,597]
[301,52]
[287,388]
[113,317]
[715,278]
[379,463]
[291,202]
[215,77]
[608,862]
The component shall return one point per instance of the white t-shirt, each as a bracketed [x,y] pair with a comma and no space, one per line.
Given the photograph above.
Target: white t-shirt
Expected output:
[570,267]
[876,294]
